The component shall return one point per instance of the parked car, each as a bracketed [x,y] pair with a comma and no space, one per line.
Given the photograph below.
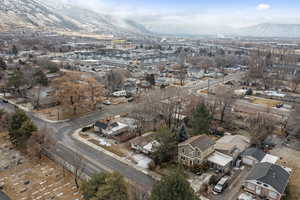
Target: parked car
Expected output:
[246,196]
[221,185]
[107,102]
[131,99]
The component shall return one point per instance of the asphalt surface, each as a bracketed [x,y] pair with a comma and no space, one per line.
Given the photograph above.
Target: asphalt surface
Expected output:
[3,196]
[97,161]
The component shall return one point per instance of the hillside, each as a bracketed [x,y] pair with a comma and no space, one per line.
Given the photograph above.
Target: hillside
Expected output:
[37,14]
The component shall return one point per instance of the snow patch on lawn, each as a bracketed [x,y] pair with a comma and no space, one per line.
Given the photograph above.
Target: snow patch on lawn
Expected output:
[142,161]
[104,142]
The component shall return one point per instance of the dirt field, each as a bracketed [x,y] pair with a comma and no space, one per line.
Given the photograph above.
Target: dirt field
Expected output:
[38,180]
[290,158]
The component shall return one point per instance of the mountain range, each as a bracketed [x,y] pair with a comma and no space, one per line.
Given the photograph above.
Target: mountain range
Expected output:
[271,30]
[64,15]
[39,14]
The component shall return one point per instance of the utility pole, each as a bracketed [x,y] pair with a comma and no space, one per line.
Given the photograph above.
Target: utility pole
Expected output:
[208,85]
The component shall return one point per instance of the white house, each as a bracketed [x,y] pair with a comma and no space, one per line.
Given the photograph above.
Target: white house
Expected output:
[121,93]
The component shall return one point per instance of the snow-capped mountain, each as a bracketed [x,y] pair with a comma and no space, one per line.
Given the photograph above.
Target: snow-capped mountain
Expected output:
[39,14]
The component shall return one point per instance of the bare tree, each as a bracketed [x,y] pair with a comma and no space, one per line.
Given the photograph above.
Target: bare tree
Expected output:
[76,93]
[171,105]
[114,80]
[4,120]
[78,164]
[293,126]
[260,127]
[203,62]
[40,142]
[161,106]
[225,99]
[193,102]
[296,81]
[95,90]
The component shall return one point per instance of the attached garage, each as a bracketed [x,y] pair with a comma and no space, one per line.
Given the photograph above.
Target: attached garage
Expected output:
[252,156]
[248,161]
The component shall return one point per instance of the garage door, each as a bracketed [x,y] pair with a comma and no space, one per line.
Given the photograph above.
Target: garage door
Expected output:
[248,161]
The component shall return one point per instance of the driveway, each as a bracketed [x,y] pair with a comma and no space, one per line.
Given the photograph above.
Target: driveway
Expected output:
[96,161]
[233,190]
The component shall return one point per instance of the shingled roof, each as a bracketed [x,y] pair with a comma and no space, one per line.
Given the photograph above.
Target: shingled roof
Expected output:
[201,142]
[271,174]
[255,153]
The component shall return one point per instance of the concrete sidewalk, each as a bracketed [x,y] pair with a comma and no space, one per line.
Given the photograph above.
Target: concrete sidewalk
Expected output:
[152,174]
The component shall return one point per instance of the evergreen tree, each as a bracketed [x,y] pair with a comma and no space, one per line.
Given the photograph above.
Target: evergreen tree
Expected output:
[17,80]
[173,187]
[14,50]
[3,64]
[40,78]
[182,133]
[105,186]
[167,150]
[20,128]
[201,119]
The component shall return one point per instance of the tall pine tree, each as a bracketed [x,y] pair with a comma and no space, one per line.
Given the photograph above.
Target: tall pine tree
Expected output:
[20,129]
[201,119]
[173,187]
[105,186]
[182,133]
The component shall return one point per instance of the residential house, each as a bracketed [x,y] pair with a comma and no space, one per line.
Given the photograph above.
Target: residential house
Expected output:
[110,129]
[232,145]
[195,150]
[220,161]
[267,180]
[252,155]
[145,144]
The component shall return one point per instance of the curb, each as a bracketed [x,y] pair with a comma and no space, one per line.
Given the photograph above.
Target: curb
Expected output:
[34,114]
[76,136]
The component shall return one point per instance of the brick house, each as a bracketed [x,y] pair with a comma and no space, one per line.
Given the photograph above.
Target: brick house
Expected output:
[267,180]
[194,150]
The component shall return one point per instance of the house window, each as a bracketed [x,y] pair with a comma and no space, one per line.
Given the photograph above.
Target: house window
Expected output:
[251,186]
[273,195]
[182,150]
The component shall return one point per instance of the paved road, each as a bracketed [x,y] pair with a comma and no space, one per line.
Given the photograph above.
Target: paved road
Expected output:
[3,196]
[97,161]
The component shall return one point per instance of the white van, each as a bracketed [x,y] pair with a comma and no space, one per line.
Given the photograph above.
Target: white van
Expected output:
[221,185]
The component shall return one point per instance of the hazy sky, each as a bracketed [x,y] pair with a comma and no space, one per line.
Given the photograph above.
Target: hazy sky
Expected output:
[191,14]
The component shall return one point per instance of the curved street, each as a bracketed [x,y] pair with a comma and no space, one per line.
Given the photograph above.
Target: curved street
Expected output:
[97,161]
[3,196]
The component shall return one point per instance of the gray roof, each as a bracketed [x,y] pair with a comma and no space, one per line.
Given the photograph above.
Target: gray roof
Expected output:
[201,142]
[255,153]
[101,125]
[271,174]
